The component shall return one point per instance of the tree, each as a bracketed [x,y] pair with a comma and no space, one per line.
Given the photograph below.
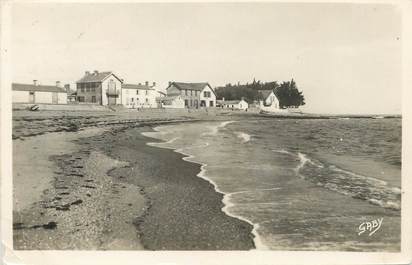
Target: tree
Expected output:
[289,95]
[287,92]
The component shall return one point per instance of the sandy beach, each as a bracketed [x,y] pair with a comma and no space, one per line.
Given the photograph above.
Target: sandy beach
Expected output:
[101,187]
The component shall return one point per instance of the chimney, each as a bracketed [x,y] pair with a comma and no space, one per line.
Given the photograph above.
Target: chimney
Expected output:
[154,83]
[58,83]
[96,72]
[146,83]
[140,84]
[87,73]
[35,82]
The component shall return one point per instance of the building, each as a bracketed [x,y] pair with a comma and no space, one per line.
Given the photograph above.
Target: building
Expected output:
[194,95]
[233,104]
[38,94]
[171,102]
[140,96]
[103,88]
[268,101]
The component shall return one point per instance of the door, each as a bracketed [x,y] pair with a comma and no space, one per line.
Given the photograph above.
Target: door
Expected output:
[55,99]
[31,97]
[111,100]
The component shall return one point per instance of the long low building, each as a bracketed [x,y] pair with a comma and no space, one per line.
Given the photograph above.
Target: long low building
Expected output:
[38,94]
[233,104]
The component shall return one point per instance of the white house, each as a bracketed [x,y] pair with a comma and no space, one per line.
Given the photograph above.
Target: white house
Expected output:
[171,102]
[41,94]
[140,96]
[194,95]
[104,88]
[233,104]
[269,101]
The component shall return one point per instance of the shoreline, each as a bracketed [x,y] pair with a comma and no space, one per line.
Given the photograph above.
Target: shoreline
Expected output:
[258,245]
[194,222]
[226,232]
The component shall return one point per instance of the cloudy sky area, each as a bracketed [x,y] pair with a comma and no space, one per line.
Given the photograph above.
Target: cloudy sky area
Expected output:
[346,58]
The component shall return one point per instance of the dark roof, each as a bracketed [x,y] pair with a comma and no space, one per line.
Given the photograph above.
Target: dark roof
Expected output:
[40,88]
[133,86]
[97,77]
[265,93]
[190,86]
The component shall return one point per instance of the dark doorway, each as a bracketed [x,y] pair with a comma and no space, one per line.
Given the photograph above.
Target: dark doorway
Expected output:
[31,97]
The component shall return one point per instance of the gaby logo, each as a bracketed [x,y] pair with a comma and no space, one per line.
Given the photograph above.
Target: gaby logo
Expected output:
[370,227]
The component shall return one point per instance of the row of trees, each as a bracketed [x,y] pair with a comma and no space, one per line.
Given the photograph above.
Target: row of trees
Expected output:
[287,92]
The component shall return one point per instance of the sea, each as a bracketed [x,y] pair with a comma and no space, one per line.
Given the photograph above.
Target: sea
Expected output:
[304,184]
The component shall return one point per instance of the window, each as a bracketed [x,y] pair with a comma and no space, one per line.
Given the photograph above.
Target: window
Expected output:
[80,99]
[196,93]
[211,103]
[191,92]
[146,92]
[87,87]
[186,103]
[93,99]
[111,85]
[186,93]
[183,92]
[132,99]
[137,91]
[93,87]
[147,100]
[206,94]
[82,89]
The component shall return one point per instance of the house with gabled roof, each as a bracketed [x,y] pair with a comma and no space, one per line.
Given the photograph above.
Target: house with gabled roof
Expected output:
[194,95]
[38,94]
[104,88]
[268,100]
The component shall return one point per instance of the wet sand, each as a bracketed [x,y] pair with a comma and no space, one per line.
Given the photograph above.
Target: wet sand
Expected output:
[184,211]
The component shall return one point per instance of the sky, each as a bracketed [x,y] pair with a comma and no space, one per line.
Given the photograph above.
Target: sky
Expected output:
[345,58]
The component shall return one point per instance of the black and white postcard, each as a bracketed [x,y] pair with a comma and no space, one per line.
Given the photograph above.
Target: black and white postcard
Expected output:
[205,132]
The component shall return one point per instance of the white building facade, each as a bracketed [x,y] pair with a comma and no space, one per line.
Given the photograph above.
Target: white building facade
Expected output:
[103,88]
[233,104]
[38,94]
[140,96]
[269,101]
[194,95]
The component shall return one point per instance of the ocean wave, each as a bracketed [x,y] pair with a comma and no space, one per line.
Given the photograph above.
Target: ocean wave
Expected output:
[349,183]
[215,129]
[345,182]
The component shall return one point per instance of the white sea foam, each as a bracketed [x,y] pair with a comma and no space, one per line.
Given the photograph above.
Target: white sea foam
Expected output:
[215,129]
[283,151]
[375,180]
[244,137]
